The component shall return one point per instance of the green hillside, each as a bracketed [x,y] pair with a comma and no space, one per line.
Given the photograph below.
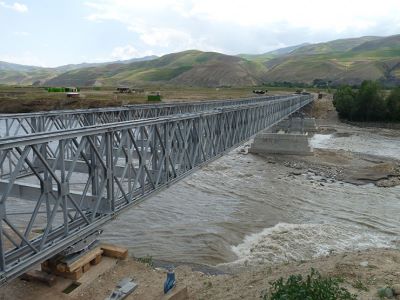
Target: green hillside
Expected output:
[342,61]
[339,61]
[340,45]
[271,54]
[15,74]
[15,77]
[186,68]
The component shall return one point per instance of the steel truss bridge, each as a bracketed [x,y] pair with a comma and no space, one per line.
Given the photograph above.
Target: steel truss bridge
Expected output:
[63,175]
[28,123]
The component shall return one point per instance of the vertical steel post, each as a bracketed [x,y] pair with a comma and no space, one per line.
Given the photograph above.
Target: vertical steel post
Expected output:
[110,171]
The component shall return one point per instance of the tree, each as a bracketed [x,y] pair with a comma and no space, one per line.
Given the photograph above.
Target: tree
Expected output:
[344,101]
[393,105]
[369,102]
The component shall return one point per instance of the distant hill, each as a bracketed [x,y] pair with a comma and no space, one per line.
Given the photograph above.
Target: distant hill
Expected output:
[14,74]
[340,61]
[5,66]
[340,45]
[190,67]
[89,65]
[21,74]
[271,54]
[390,42]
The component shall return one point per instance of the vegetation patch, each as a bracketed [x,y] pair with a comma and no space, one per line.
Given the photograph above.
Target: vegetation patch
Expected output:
[368,103]
[164,74]
[148,259]
[313,287]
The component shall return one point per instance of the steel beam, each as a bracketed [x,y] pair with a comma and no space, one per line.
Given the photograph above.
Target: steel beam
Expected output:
[80,178]
[28,123]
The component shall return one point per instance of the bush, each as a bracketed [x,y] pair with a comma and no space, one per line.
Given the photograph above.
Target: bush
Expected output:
[148,259]
[344,101]
[393,105]
[314,287]
[370,102]
[366,104]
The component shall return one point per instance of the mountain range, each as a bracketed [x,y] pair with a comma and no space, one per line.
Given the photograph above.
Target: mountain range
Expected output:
[340,61]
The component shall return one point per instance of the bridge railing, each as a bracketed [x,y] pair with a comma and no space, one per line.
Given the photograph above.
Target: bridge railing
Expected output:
[28,123]
[61,187]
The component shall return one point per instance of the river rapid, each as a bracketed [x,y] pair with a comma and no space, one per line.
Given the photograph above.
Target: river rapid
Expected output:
[243,210]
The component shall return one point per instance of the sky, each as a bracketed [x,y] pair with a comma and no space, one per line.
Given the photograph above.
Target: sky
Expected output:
[57,32]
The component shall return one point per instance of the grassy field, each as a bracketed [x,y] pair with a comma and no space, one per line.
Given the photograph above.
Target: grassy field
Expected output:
[18,99]
[15,99]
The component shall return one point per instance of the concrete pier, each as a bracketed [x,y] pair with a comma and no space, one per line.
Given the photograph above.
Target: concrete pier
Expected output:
[289,137]
[292,125]
[281,143]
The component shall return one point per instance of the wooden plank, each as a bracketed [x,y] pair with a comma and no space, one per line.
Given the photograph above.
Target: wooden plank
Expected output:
[114,251]
[61,267]
[96,261]
[74,269]
[85,259]
[86,267]
[70,275]
[40,276]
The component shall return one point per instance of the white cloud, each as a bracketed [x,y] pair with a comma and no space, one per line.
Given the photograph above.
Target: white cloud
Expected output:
[311,14]
[125,52]
[153,22]
[233,26]
[21,33]
[18,7]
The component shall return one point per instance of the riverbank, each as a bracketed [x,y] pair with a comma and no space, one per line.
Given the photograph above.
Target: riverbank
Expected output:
[362,273]
[347,152]
[259,218]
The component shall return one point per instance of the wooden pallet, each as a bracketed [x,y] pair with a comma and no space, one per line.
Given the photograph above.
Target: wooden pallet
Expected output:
[114,251]
[75,268]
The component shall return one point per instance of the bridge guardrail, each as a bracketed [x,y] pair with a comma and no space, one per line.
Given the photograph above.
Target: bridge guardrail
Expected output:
[28,123]
[60,187]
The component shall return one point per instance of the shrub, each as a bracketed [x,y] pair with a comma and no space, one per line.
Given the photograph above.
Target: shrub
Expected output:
[148,259]
[370,102]
[344,101]
[366,104]
[393,105]
[314,287]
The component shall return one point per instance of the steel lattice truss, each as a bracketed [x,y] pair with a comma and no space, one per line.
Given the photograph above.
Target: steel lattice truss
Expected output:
[61,187]
[28,123]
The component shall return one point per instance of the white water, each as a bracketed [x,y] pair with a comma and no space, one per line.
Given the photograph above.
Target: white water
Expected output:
[361,142]
[242,210]
[288,242]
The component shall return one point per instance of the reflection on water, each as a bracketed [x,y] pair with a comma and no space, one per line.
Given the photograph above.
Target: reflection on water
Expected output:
[241,208]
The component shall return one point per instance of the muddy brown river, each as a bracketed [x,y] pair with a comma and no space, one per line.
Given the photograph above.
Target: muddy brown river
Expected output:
[242,210]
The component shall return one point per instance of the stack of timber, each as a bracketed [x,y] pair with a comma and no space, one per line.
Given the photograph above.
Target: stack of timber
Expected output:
[74,268]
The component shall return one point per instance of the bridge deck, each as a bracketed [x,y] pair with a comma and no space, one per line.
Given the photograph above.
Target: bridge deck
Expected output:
[60,187]
[28,123]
